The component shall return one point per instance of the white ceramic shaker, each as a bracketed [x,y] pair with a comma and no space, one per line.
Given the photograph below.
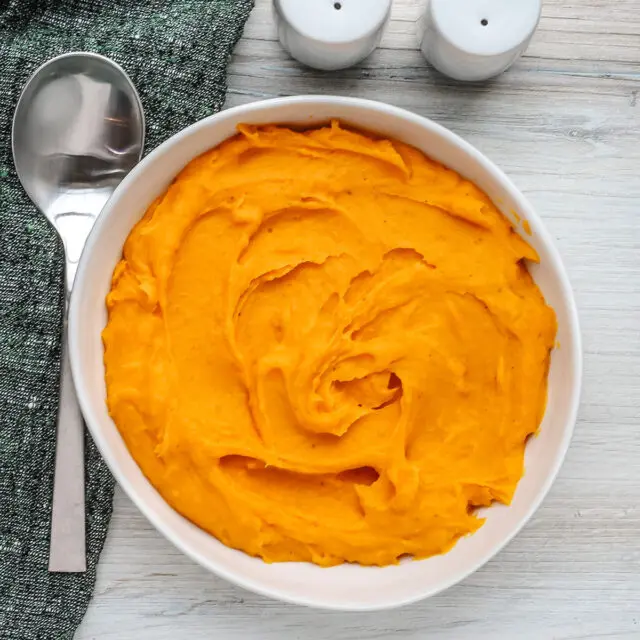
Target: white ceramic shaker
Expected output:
[331,34]
[474,40]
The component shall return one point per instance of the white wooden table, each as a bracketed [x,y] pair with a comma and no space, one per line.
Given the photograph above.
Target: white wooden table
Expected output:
[565,125]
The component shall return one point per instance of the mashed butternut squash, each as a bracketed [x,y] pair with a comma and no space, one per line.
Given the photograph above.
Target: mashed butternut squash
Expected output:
[323,346]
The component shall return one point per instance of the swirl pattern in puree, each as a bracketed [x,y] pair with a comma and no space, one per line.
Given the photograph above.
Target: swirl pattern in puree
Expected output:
[323,346]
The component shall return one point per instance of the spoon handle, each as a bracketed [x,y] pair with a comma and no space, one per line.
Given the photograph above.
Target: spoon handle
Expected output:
[67,552]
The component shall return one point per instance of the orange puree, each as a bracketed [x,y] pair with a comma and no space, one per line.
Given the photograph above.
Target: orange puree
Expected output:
[323,346]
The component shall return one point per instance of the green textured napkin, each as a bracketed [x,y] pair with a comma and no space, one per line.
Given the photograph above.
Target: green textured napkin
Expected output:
[176,52]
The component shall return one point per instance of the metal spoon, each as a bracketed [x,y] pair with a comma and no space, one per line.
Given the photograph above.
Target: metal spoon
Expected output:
[78,130]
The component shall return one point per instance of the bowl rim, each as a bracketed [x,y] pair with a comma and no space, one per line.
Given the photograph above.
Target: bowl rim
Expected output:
[92,421]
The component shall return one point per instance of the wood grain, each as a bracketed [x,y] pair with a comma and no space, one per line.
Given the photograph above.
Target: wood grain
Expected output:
[564,123]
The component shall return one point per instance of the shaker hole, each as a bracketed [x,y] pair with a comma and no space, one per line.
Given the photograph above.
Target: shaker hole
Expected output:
[484,22]
[337,5]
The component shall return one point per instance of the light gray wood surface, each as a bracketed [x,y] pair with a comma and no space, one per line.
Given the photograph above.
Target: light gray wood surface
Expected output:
[564,123]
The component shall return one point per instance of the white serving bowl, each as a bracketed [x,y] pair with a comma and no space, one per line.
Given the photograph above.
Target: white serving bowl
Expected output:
[346,587]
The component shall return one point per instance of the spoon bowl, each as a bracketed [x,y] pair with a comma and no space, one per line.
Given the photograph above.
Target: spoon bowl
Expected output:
[78,130]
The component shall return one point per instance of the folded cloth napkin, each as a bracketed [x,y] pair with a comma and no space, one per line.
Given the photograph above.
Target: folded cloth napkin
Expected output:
[176,52]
